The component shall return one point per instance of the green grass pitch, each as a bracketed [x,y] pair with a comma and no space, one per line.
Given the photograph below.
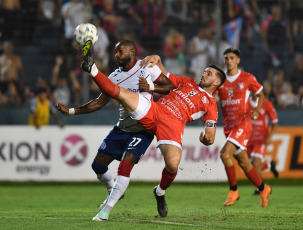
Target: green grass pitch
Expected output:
[190,206]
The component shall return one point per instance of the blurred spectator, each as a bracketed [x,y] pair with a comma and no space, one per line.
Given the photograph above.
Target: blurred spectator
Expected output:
[296,19]
[41,108]
[296,76]
[213,48]
[277,41]
[300,97]
[150,16]
[61,90]
[50,13]
[287,98]
[29,20]
[3,99]
[174,53]
[8,18]
[74,13]
[101,48]
[268,92]
[199,53]
[245,9]
[11,68]
[12,94]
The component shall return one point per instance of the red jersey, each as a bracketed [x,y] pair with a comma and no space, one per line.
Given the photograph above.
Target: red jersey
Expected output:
[234,95]
[189,101]
[261,124]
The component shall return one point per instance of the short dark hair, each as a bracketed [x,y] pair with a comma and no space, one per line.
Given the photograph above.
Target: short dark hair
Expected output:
[232,50]
[130,44]
[221,74]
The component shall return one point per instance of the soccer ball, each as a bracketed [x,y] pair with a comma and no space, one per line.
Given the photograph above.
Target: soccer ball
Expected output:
[85,32]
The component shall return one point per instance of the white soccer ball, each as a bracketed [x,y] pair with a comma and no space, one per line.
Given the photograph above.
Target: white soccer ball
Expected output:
[85,32]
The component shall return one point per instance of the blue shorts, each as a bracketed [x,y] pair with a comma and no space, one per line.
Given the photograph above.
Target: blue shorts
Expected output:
[117,142]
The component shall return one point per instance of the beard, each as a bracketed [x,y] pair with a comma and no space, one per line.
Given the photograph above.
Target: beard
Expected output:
[204,85]
[123,62]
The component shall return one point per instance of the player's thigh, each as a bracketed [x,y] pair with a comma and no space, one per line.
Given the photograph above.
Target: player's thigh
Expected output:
[172,156]
[103,159]
[229,149]
[128,99]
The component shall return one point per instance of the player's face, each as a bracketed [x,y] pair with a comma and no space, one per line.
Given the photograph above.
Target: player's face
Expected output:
[122,54]
[208,78]
[231,61]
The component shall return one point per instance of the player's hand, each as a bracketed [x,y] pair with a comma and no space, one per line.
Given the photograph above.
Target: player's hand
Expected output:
[62,108]
[143,85]
[150,61]
[268,140]
[254,114]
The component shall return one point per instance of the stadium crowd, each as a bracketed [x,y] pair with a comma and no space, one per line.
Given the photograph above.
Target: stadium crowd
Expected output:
[182,31]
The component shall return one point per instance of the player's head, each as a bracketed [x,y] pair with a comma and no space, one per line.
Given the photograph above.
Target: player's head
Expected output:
[231,58]
[212,76]
[125,52]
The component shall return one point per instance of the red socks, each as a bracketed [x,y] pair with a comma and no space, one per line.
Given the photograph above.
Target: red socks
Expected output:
[254,177]
[106,85]
[231,175]
[167,179]
[124,168]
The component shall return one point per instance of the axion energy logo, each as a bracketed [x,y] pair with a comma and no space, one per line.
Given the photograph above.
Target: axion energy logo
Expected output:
[74,150]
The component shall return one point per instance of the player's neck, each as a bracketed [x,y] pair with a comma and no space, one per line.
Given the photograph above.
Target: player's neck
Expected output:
[232,72]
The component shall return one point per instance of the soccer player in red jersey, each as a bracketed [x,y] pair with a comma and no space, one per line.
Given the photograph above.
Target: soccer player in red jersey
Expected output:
[262,135]
[165,118]
[234,95]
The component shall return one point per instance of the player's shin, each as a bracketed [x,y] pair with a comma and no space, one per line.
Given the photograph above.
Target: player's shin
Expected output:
[104,83]
[166,180]
[253,176]
[231,175]
[120,184]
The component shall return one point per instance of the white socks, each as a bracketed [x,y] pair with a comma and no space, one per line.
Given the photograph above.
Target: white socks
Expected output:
[107,180]
[160,191]
[118,190]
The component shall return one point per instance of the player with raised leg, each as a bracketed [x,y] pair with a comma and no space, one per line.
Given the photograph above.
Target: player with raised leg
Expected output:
[128,140]
[166,118]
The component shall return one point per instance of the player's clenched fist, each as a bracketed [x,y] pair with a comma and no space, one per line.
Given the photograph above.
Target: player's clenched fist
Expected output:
[62,109]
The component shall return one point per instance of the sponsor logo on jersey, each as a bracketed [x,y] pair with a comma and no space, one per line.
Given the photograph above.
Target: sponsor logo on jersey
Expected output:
[205,100]
[185,97]
[230,102]
[134,90]
[241,85]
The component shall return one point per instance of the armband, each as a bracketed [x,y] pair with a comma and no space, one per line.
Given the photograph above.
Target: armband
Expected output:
[71,111]
[151,86]
[210,123]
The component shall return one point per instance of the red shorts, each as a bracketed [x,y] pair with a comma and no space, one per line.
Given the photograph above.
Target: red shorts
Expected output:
[256,150]
[167,128]
[239,135]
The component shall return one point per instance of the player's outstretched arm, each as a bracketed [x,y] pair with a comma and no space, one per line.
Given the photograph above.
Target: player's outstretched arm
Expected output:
[89,107]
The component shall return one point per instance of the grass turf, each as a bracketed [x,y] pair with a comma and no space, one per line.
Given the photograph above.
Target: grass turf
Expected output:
[191,206]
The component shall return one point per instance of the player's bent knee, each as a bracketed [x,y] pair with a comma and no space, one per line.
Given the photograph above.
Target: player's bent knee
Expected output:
[99,169]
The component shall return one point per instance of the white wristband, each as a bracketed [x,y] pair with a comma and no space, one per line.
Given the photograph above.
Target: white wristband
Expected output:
[151,86]
[71,111]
